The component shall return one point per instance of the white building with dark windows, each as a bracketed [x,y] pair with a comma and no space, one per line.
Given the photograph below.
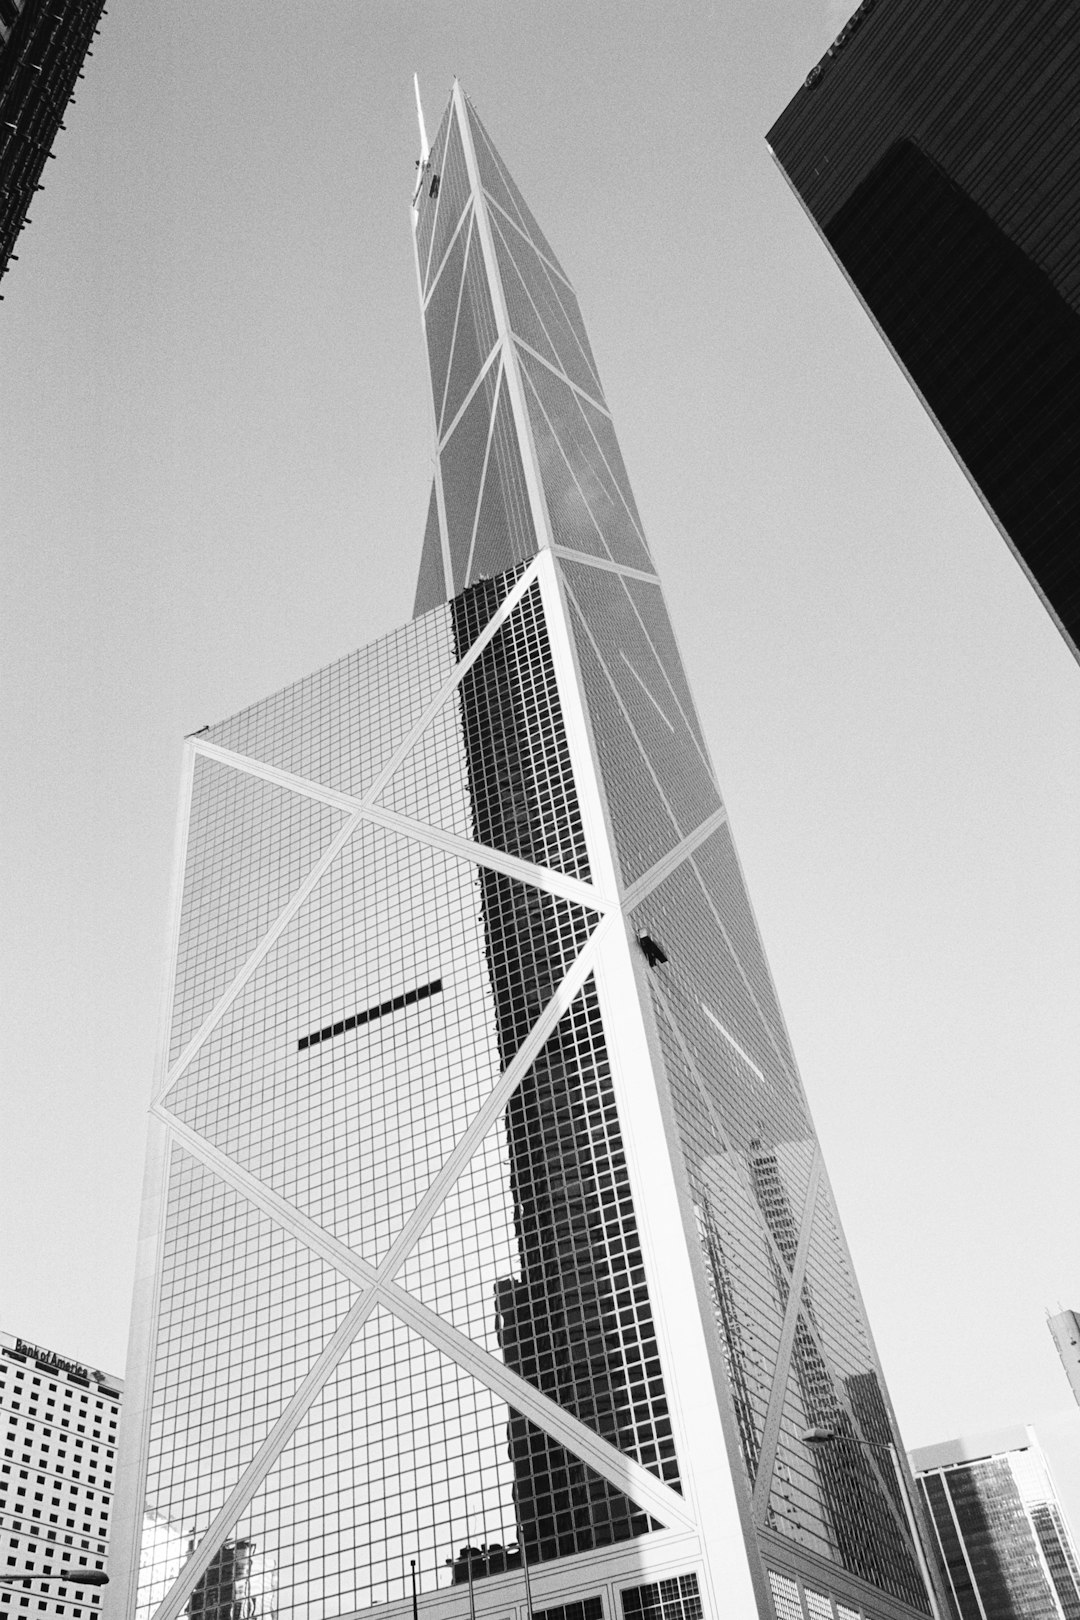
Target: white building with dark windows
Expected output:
[487,1236]
[57,1478]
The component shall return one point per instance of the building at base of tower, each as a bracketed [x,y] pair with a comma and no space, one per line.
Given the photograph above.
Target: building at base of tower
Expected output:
[60,1423]
[487,1238]
[1001,1533]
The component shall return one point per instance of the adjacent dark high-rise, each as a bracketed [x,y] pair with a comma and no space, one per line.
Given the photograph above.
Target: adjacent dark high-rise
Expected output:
[936,146]
[43,44]
[486,1223]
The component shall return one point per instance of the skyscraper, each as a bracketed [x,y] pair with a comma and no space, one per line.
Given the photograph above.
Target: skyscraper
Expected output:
[56,1480]
[43,44]
[937,149]
[486,1225]
[1065,1332]
[1000,1529]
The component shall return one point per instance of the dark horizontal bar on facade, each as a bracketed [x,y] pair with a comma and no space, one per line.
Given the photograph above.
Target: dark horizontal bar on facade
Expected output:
[408,999]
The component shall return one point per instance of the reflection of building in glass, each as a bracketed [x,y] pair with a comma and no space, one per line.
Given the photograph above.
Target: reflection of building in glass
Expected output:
[59,1421]
[937,149]
[163,1551]
[1001,1532]
[487,1226]
[238,1584]
[43,44]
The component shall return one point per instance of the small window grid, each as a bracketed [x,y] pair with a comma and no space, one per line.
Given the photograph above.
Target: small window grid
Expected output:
[250,845]
[341,725]
[677,1598]
[590,1608]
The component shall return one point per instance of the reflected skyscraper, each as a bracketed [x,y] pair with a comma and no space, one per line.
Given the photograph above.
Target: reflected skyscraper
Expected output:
[486,1225]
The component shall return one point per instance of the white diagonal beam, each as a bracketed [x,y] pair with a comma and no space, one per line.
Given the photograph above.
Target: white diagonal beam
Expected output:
[272,935]
[770,1433]
[623,1472]
[335,1349]
[605,564]
[420,832]
[420,725]
[650,880]
[316,1237]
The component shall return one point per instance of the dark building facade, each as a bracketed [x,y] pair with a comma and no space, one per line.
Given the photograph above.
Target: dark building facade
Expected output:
[43,44]
[937,148]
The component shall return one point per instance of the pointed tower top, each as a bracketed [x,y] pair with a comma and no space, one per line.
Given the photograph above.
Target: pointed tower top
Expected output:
[424,147]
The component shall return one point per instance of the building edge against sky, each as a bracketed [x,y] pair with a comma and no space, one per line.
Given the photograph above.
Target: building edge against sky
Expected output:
[484,1212]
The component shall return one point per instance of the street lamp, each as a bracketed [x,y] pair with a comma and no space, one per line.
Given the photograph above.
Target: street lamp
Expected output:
[78,1575]
[821,1437]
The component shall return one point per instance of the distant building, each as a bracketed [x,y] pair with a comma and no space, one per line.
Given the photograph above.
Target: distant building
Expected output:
[936,147]
[1000,1529]
[1065,1331]
[43,44]
[60,1422]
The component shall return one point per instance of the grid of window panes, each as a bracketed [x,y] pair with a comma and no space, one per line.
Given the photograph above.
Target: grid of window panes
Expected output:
[748,1150]
[341,725]
[522,791]
[990,1543]
[676,1598]
[590,1608]
[660,783]
[536,1254]
[56,1480]
[353,1128]
[937,148]
[810,1605]
[250,844]
[1056,1546]
[748,1139]
[576,1320]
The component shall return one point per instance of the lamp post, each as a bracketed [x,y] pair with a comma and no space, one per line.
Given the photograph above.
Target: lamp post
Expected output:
[822,1437]
[78,1575]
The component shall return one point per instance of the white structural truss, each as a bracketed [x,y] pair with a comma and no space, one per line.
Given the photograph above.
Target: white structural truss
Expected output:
[330,1370]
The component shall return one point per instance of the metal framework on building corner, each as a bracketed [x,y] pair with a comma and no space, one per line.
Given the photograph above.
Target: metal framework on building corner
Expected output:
[608,955]
[642,1101]
[43,44]
[709,1526]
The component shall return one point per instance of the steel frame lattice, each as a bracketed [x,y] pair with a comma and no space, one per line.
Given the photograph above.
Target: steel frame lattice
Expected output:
[751,1323]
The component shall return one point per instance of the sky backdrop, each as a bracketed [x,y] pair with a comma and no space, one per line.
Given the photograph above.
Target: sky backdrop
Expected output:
[215,469]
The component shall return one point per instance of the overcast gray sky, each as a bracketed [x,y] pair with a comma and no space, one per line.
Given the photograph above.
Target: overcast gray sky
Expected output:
[214,471]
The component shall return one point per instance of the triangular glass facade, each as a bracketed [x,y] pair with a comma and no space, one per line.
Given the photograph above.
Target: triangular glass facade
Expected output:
[485,1169]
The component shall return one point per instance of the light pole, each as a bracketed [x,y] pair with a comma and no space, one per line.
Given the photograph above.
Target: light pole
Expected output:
[822,1437]
[78,1575]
